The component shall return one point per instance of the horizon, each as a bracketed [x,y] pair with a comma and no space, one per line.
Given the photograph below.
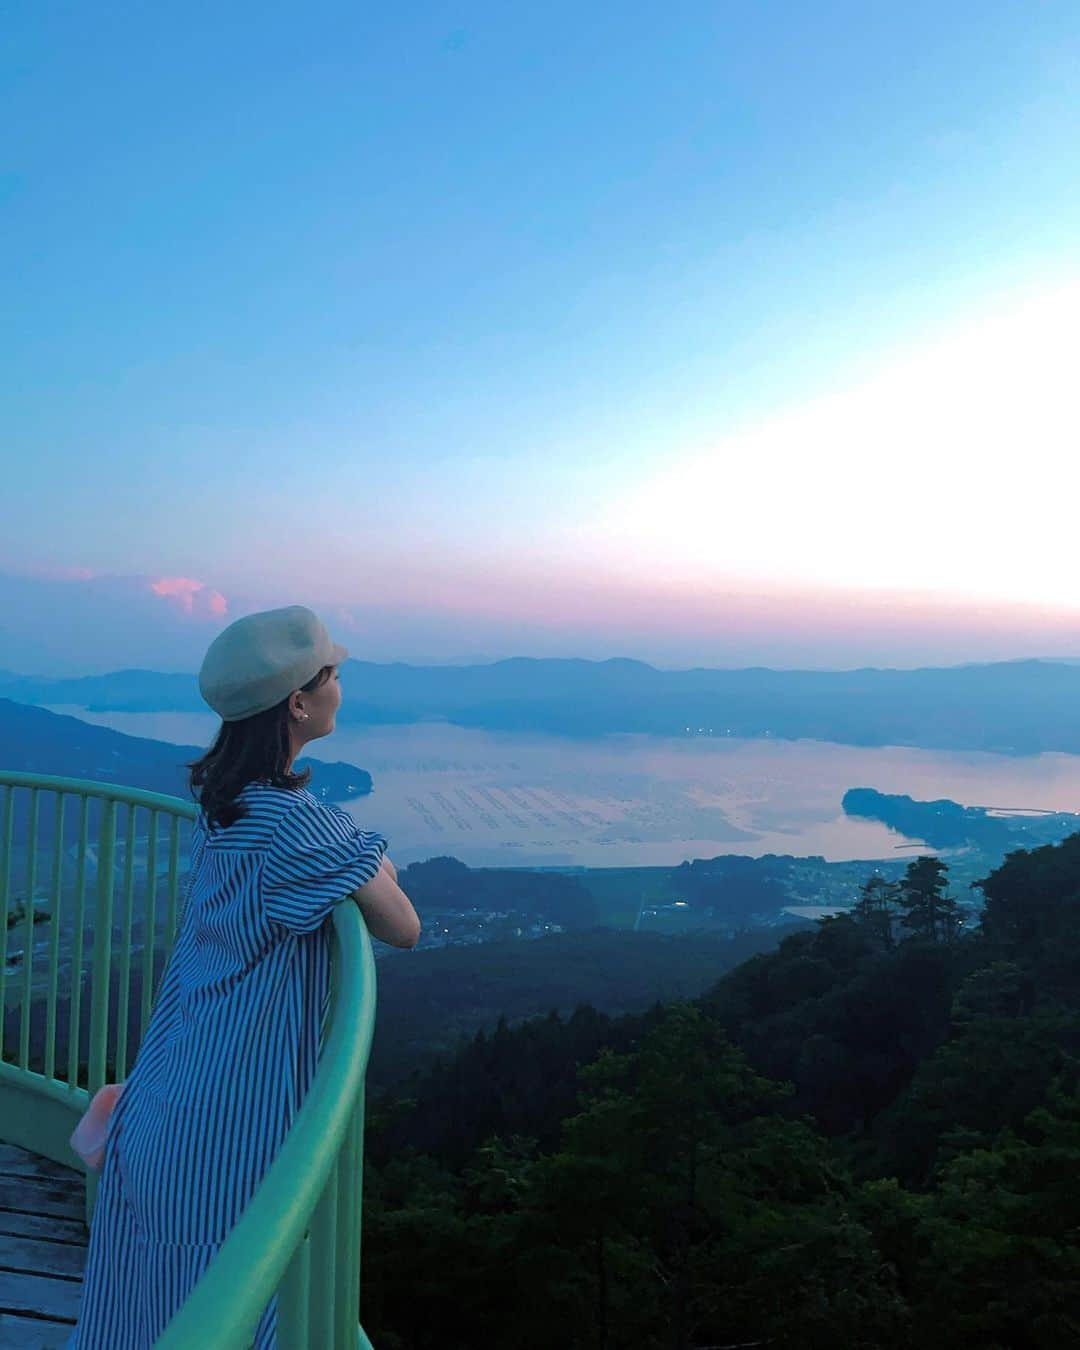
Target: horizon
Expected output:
[608,660]
[75,624]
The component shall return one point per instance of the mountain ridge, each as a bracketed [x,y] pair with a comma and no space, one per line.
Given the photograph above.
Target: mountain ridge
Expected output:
[38,741]
[1010,707]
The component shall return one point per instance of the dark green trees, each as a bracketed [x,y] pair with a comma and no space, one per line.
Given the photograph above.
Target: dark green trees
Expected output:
[876,907]
[867,1138]
[918,906]
[1033,899]
[680,1208]
[928,910]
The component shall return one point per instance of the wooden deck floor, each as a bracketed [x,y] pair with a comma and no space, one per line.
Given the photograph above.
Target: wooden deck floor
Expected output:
[42,1250]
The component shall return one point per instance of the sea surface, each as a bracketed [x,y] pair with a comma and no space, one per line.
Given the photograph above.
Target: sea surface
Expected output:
[506,799]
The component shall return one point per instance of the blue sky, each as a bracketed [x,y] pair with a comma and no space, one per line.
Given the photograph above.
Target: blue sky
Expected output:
[411,314]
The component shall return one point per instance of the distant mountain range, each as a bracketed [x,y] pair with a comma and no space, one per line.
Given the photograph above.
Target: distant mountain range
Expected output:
[1015,707]
[36,741]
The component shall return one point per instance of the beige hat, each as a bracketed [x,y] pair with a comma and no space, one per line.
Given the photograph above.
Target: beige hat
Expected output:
[260,659]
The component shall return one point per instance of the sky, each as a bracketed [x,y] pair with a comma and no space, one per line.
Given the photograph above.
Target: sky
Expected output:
[706,334]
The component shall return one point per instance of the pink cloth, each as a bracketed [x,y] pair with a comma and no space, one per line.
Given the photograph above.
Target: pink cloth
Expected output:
[89,1136]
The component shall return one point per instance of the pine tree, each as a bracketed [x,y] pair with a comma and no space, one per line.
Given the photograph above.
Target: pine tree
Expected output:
[929,910]
[875,906]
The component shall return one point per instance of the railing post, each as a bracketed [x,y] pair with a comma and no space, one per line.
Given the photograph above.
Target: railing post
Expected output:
[54,938]
[99,994]
[149,925]
[28,931]
[294,1300]
[77,927]
[358,1187]
[123,992]
[348,1233]
[324,1264]
[6,838]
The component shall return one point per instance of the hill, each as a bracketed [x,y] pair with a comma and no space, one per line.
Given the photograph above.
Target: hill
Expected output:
[37,741]
[1020,707]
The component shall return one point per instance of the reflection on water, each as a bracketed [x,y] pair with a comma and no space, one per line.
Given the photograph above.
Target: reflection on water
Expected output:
[520,800]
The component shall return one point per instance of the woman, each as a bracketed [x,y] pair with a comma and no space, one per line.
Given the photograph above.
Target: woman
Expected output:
[233,1041]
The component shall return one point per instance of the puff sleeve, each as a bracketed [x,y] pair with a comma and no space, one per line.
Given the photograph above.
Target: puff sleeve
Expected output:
[318,855]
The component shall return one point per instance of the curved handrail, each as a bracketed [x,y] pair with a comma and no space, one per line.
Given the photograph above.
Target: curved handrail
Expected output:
[250,1263]
[299,1235]
[110,792]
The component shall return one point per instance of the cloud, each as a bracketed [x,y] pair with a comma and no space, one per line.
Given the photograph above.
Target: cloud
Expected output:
[191,596]
[64,621]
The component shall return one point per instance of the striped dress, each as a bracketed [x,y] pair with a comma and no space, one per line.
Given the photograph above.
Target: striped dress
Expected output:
[227,1058]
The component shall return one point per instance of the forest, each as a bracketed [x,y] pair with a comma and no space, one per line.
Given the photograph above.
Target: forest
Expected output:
[869,1137]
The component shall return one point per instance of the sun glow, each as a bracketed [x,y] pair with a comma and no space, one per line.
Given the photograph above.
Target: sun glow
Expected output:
[951,470]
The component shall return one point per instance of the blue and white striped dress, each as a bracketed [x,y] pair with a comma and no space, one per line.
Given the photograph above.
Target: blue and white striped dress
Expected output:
[227,1058]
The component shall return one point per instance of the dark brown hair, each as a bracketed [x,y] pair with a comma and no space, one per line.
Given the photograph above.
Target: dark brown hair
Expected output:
[253,750]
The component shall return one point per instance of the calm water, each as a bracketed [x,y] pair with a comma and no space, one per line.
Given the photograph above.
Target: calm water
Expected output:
[519,800]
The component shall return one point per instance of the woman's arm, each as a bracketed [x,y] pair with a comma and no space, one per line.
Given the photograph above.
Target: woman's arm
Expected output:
[387,910]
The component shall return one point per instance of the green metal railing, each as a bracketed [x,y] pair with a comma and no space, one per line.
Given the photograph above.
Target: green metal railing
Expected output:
[300,1234]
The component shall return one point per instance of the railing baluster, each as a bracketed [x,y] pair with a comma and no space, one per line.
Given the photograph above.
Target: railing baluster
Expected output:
[358,1155]
[294,1300]
[6,850]
[323,1243]
[149,925]
[79,925]
[103,919]
[348,1238]
[54,936]
[174,882]
[28,931]
[6,837]
[124,973]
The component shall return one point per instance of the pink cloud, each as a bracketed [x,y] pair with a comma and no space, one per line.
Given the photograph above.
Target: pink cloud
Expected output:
[190,594]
